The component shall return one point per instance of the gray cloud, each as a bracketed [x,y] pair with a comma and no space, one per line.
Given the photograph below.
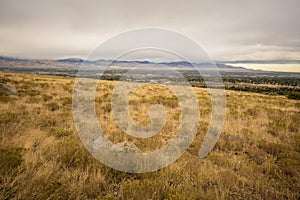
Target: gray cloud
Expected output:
[227,30]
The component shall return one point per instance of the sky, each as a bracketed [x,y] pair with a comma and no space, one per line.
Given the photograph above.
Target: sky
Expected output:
[227,30]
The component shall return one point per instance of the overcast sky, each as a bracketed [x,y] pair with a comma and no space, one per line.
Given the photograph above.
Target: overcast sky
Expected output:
[226,29]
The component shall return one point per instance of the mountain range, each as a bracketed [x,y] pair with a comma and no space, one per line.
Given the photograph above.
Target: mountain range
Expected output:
[69,66]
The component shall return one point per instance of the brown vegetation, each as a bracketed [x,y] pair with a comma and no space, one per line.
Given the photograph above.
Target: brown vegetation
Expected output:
[42,157]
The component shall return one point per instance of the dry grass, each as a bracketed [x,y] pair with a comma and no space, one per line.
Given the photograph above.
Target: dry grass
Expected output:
[41,156]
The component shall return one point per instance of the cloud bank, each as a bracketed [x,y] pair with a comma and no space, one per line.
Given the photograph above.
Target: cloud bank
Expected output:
[227,30]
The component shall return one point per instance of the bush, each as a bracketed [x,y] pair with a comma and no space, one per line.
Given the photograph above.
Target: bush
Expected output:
[46,97]
[294,95]
[289,167]
[106,107]
[272,148]
[11,123]
[6,98]
[9,159]
[67,88]
[28,92]
[47,122]
[66,101]
[52,106]
[69,154]
[59,133]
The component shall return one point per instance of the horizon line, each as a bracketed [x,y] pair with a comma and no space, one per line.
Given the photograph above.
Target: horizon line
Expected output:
[275,61]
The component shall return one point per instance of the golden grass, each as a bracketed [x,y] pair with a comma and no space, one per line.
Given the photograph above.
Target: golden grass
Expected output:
[42,157]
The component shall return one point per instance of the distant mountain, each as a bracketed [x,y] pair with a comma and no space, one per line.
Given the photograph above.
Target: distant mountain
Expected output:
[177,63]
[71,60]
[123,63]
[12,58]
[129,63]
[70,66]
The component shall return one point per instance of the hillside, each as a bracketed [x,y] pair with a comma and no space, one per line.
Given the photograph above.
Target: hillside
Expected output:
[42,157]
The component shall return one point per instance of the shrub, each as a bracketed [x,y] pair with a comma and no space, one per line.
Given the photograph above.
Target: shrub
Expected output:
[272,148]
[10,159]
[46,97]
[106,107]
[67,88]
[4,80]
[52,106]
[289,167]
[69,154]
[57,132]
[33,100]
[11,123]
[47,122]
[45,85]
[66,101]
[294,95]
[29,92]
[253,112]
[4,98]
[259,157]
[151,189]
